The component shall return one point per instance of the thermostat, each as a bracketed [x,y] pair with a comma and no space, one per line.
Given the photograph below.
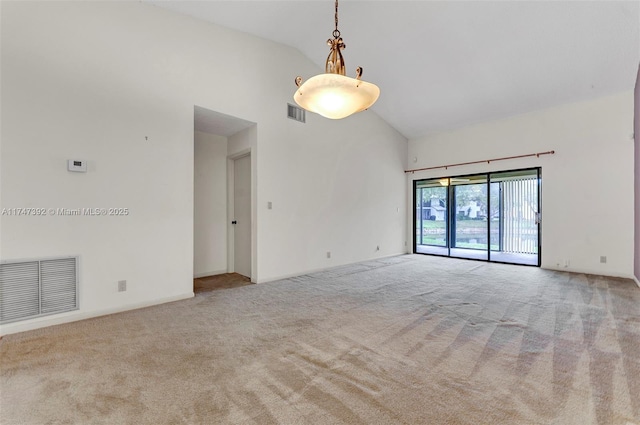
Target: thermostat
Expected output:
[77,165]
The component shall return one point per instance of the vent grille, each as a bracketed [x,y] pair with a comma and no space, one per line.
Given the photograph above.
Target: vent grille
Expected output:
[35,288]
[295,113]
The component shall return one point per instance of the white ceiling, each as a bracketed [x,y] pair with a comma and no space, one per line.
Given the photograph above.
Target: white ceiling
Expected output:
[446,64]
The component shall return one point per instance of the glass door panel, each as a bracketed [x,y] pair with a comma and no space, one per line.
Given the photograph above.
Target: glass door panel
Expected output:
[470,231]
[431,217]
[494,217]
[516,224]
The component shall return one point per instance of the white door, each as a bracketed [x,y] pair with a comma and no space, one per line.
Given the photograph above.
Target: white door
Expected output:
[242,215]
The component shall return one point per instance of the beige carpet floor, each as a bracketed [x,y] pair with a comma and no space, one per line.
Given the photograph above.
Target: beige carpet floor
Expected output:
[403,340]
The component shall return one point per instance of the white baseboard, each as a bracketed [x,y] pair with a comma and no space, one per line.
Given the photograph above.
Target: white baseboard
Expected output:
[586,271]
[309,271]
[205,274]
[74,316]
[568,270]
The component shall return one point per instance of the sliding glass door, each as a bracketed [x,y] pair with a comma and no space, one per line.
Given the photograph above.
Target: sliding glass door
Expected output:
[518,221]
[491,217]
[432,217]
[470,233]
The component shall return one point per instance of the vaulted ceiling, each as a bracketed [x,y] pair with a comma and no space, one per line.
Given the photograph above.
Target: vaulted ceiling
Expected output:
[446,64]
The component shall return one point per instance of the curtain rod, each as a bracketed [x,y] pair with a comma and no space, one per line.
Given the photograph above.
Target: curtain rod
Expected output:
[488,161]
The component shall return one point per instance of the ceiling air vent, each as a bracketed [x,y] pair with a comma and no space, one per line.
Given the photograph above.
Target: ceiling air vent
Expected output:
[295,113]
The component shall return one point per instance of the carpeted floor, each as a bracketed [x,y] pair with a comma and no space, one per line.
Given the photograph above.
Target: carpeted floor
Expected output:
[403,340]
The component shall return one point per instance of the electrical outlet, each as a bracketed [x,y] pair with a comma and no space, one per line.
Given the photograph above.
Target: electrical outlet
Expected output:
[122,285]
[328,254]
[603,259]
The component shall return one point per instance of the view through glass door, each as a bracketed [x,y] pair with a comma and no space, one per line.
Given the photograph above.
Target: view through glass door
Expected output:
[470,233]
[431,217]
[491,217]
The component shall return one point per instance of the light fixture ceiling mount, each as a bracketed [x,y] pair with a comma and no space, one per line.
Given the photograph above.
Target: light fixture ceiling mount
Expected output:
[333,94]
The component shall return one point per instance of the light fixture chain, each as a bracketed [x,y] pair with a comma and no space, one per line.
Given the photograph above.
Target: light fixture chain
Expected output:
[336,32]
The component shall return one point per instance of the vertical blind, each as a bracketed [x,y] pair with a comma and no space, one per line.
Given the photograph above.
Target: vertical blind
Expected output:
[520,200]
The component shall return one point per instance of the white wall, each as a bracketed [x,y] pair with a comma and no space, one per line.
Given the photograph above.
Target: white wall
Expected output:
[333,190]
[210,205]
[1,119]
[636,132]
[115,83]
[592,168]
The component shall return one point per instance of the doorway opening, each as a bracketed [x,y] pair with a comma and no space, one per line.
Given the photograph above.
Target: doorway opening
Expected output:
[490,217]
[224,164]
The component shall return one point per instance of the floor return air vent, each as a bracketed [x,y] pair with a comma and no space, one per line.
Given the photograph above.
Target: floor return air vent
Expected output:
[33,288]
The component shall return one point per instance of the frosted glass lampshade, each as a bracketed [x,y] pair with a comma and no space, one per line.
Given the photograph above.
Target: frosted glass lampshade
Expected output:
[336,96]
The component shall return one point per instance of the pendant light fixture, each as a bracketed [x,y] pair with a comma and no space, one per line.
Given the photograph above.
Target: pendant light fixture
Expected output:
[333,94]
